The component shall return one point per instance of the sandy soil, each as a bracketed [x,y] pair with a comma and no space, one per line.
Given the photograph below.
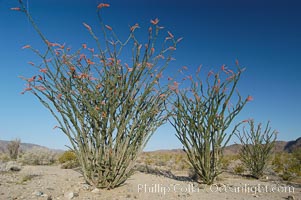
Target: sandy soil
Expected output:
[52,182]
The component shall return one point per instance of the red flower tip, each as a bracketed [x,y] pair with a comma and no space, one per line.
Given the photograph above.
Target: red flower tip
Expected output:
[172,48]
[152,50]
[72,69]
[87,26]
[179,40]
[236,62]
[250,98]
[155,21]
[26,90]
[108,27]
[41,88]
[159,75]
[103,114]
[134,27]
[26,47]
[16,9]
[31,79]
[31,63]
[170,34]
[210,73]
[199,69]
[91,50]
[103,5]
[44,70]
[89,62]
[185,68]
[223,68]
[162,95]
[59,96]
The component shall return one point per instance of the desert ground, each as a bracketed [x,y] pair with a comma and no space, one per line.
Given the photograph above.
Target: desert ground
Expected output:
[52,182]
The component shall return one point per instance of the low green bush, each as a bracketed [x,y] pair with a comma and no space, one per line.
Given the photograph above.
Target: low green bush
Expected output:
[68,160]
[4,157]
[288,165]
[239,169]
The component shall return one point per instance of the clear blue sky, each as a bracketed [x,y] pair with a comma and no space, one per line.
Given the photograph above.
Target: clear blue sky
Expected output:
[264,35]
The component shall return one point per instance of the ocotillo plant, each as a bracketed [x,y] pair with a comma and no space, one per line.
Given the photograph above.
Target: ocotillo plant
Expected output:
[13,148]
[107,108]
[201,116]
[257,147]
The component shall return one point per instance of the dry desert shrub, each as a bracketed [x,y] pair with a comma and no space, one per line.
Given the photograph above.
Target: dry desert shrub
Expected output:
[257,147]
[38,156]
[176,161]
[288,165]
[228,162]
[239,169]
[13,148]
[4,157]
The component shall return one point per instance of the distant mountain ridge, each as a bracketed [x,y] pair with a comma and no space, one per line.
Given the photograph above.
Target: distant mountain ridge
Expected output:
[293,145]
[24,146]
[280,146]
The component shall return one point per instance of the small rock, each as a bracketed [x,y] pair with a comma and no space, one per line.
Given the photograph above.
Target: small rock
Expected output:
[95,190]
[49,197]
[2,166]
[13,166]
[70,195]
[291,197]
[10,166]
[86,186]
[38,193]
